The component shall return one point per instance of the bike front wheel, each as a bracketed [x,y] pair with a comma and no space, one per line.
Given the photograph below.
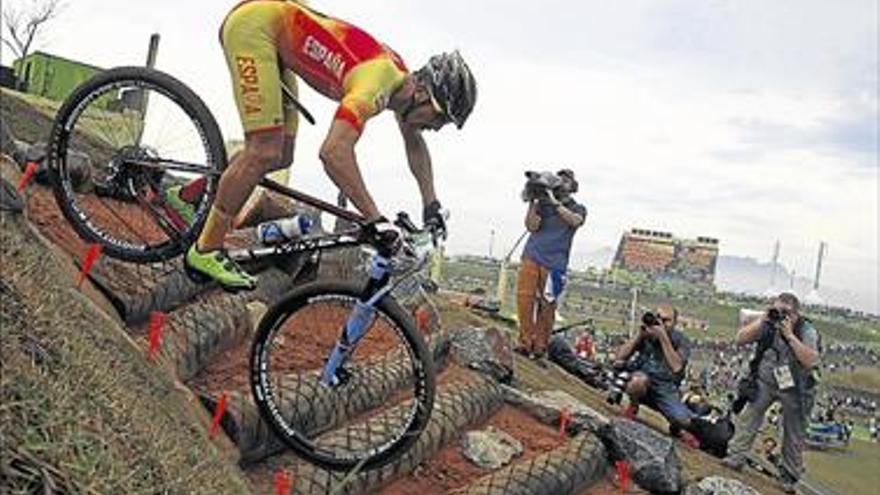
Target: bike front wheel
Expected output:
[386,394]
[154,155]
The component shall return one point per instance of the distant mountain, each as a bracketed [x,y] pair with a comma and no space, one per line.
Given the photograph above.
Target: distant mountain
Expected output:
[599,258]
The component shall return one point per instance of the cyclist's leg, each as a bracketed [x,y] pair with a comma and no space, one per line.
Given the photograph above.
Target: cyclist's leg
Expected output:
[291,118]
[251,54]
[260,205]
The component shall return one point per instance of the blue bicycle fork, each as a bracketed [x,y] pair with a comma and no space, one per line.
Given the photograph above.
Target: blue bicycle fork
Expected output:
[359,320]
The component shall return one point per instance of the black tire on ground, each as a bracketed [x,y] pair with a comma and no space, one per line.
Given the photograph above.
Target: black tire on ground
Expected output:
[423,382]
[59,142]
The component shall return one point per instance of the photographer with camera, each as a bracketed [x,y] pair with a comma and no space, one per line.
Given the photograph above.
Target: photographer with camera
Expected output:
[657,371]
[552,218]
[781,370]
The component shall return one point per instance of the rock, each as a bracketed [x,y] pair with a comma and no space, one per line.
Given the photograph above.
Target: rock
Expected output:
[546,406]
[561,353]
[717,485]
[10,199]
[484,350]
[8,144]
[490,448]
[654,465]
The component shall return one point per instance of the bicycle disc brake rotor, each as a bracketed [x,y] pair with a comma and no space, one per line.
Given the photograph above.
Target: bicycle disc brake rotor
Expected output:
[127,178]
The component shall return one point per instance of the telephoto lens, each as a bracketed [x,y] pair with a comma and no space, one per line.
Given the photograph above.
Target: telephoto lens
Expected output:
[617,386]
[775,315]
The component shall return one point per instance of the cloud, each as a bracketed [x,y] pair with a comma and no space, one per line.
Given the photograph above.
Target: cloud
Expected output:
[856,133]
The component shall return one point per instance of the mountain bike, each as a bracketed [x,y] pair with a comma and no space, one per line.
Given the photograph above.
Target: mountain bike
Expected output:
[322,344]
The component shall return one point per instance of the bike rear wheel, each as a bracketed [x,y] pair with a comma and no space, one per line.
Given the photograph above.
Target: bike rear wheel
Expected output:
[147,136]
[379,410]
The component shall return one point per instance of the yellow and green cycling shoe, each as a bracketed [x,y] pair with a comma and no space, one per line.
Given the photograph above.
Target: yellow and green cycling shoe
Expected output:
[183,209]
[218,266]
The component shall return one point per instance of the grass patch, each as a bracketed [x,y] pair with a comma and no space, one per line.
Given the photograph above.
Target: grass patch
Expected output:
[864,378]
[81,410]
[852,471]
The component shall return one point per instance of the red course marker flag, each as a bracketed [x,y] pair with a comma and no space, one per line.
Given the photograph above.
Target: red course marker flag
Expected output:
[218,413]
[282,483]
[622,474]
[157,322]
[29,170]
[87,261]
[564,420]
[422,318]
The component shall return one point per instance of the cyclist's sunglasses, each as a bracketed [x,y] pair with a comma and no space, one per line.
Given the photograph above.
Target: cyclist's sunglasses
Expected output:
[441,117]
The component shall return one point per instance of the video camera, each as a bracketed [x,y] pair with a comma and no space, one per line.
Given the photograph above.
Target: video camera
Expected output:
[538,184]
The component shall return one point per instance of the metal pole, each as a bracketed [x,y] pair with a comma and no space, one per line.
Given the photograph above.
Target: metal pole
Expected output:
[491,241]
[153,50]
[501,287]
[143,99]
[822,247]
[634,303]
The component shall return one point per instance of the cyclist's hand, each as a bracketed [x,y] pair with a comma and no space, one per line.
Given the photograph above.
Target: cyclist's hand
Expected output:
[384,237]
[434,219]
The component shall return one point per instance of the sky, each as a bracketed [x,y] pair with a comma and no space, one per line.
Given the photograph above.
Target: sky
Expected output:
[748,121]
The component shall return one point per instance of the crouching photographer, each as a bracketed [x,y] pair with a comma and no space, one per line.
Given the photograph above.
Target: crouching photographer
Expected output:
[781,370]
[552,218]
[657,371]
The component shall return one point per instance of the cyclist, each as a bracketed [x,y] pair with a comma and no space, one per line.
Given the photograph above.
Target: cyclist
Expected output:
[269,42]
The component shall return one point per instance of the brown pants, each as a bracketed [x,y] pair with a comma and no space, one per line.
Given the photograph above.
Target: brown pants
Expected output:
[535,314]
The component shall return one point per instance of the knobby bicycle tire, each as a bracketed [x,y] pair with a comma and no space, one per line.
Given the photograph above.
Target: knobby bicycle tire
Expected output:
[423,377]
[59,141]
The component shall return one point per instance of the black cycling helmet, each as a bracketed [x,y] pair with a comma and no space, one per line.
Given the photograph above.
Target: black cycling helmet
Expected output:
[451,85]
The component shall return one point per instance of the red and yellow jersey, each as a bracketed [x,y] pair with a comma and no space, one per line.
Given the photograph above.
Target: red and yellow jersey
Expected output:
[336,58]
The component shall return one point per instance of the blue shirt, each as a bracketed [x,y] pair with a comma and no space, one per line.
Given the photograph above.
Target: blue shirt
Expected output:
[551,244]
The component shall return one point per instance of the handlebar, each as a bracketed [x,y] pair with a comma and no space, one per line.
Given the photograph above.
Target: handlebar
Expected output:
[418,244]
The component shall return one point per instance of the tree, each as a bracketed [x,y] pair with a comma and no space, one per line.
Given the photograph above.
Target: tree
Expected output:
[21,25]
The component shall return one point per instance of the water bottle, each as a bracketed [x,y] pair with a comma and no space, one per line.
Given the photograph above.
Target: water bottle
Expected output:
[283,229]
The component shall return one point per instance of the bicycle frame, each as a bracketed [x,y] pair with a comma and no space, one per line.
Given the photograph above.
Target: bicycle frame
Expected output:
[378,285]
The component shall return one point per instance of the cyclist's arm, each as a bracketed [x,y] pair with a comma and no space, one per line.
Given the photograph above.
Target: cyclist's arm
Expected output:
[419,161]
[340,163]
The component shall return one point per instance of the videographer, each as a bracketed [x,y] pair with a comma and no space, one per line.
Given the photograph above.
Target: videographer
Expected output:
[552,218]
[663,353]
[781,370]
